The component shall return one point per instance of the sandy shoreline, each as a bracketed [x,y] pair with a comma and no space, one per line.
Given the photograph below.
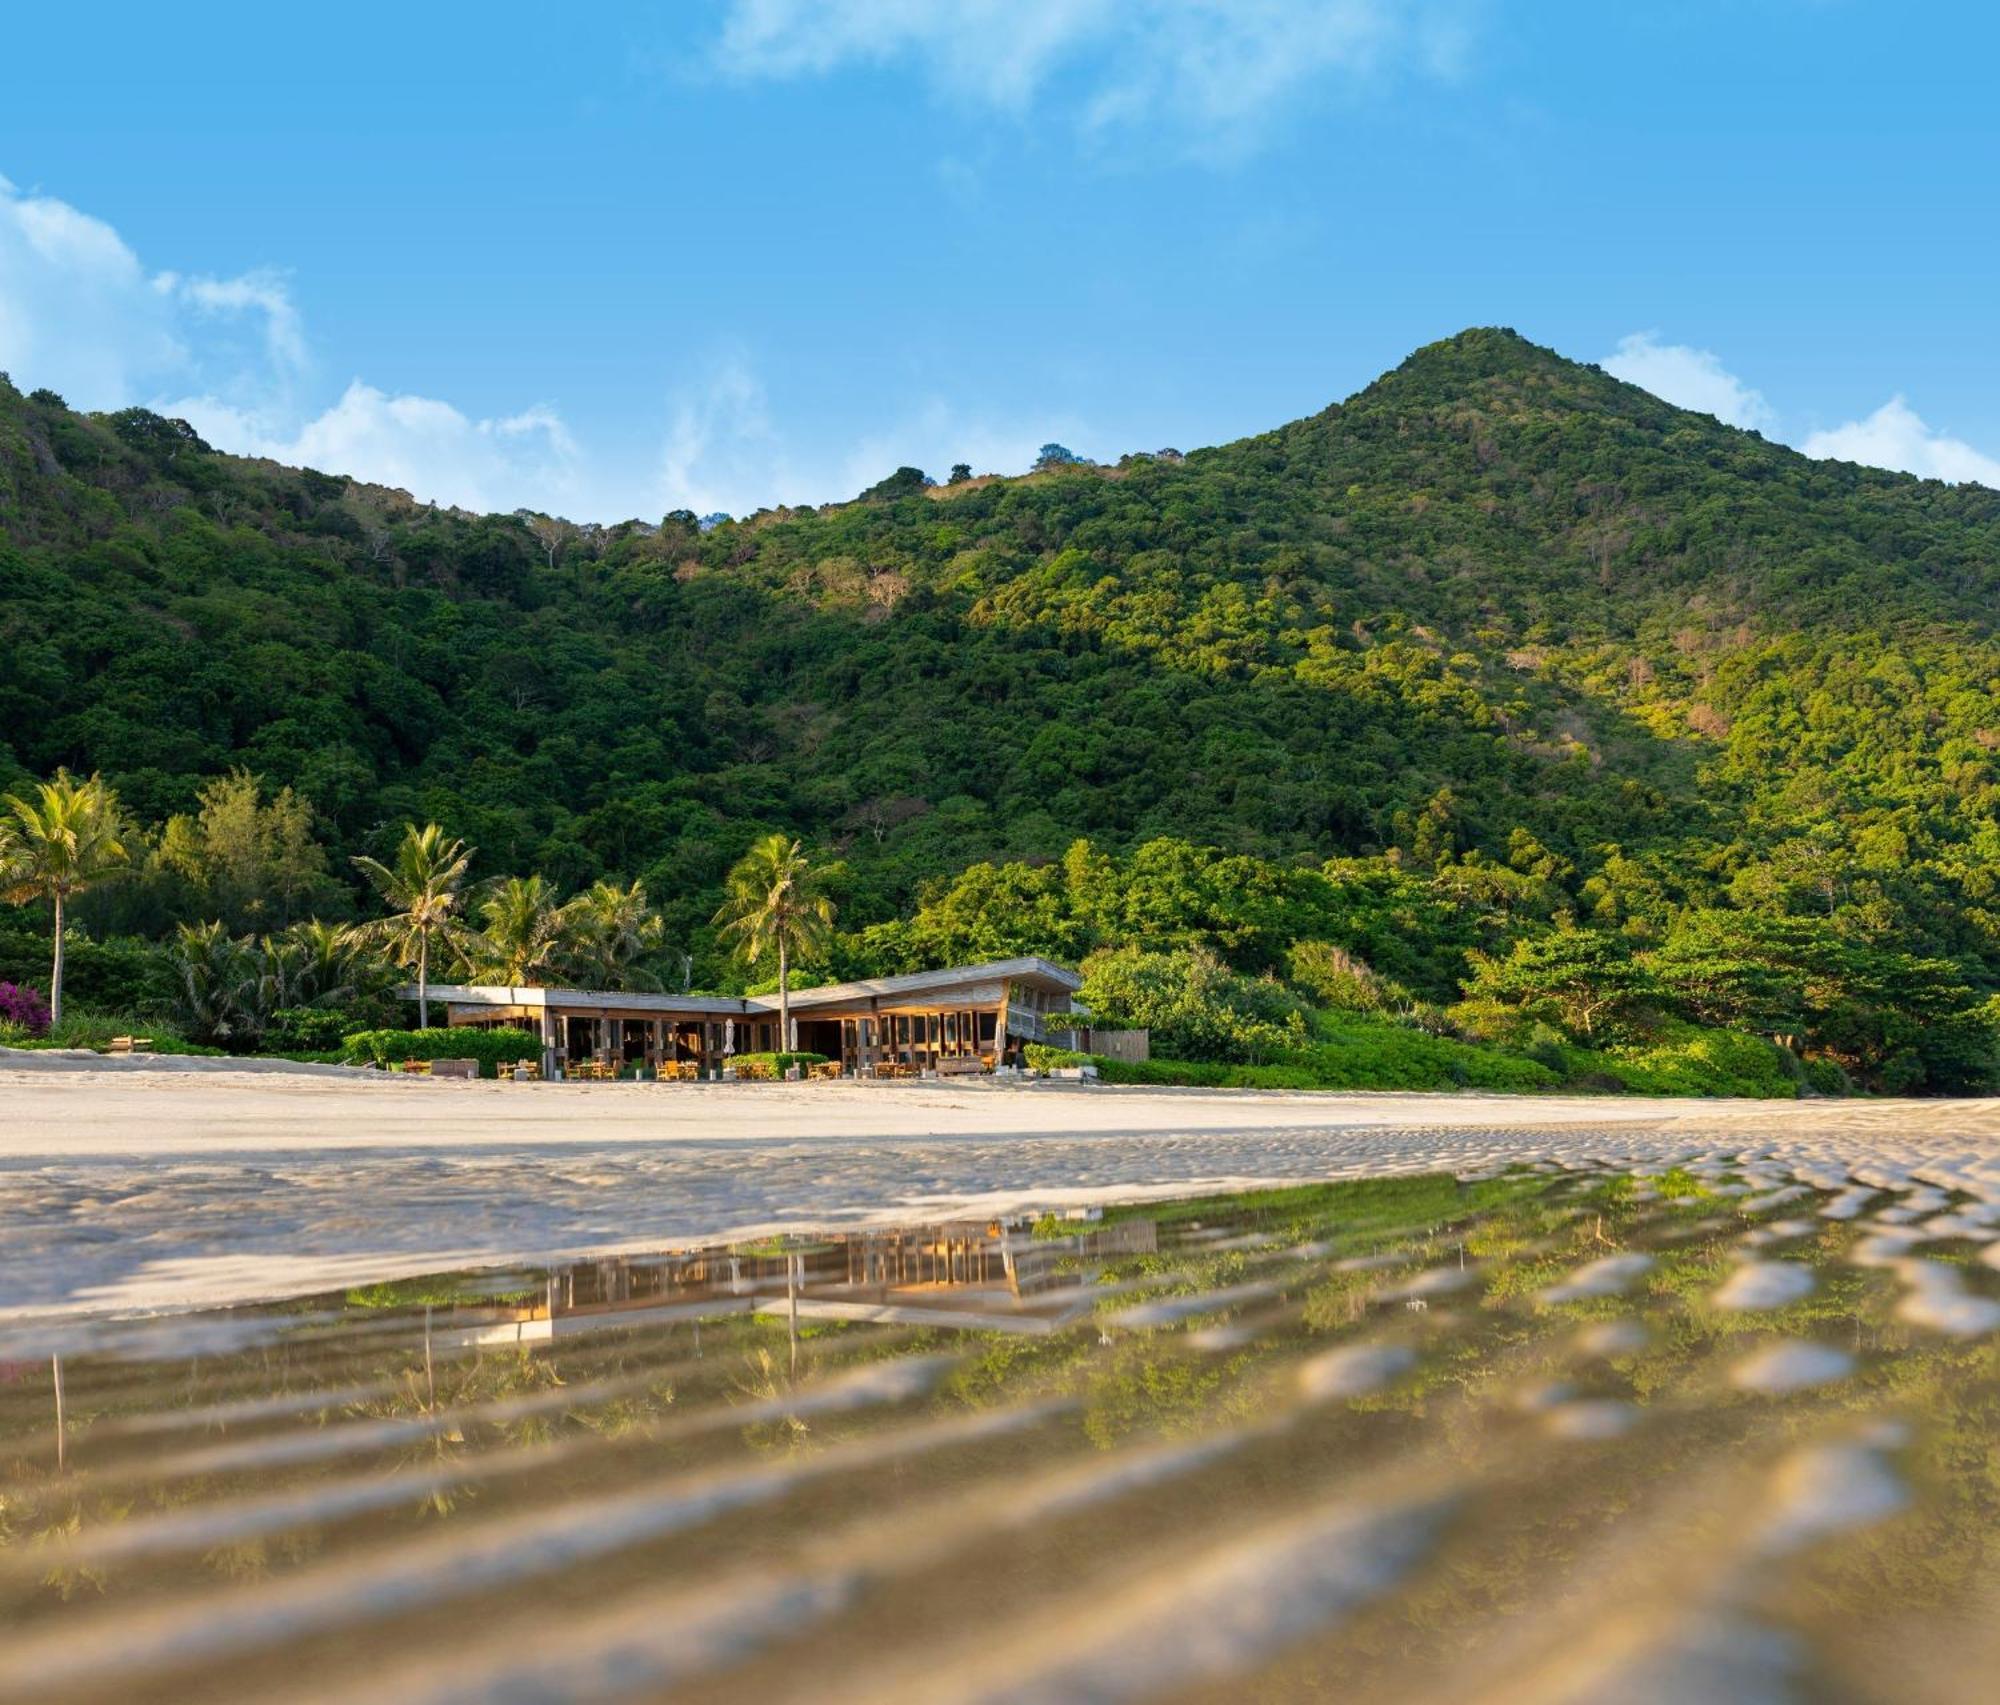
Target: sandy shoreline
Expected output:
[143,1189]
[136,1111]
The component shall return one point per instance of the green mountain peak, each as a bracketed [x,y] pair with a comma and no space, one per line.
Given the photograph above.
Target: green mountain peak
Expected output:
[1496,611]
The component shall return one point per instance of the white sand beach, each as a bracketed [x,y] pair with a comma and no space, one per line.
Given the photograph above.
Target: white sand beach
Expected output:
[147,1186]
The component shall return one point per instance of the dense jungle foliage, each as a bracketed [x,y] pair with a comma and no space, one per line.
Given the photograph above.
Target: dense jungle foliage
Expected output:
[1499,687]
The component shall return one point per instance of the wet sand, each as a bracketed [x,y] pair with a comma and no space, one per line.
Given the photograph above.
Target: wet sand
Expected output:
[140,1188]
[1393,1441]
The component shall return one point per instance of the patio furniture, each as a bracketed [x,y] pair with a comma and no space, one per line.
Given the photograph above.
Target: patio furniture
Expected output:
[827,1069]
[130,1045]
[524,1071]
[414,1068]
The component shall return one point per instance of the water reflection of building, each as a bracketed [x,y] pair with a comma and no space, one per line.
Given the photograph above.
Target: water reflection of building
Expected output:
[986,1275]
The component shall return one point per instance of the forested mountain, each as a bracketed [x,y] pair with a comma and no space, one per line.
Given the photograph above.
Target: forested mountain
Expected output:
[1498,613]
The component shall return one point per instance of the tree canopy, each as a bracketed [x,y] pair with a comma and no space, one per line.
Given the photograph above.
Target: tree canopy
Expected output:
[1497,649]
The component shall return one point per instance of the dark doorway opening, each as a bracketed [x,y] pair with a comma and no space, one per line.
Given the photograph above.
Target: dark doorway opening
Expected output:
[819,1036]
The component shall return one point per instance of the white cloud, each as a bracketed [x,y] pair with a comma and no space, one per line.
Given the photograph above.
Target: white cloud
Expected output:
[723,450]
[934,435]
[263,292]
[1688,378]
[426,447]
[77,312]
[1218,69]
[1895,436]
[81,315]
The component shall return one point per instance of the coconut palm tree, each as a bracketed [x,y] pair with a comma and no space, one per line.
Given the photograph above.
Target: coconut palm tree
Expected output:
[775,905]
[68,837]
[422,889]
[216,983]
[524,933]
[328,964]
[609,929]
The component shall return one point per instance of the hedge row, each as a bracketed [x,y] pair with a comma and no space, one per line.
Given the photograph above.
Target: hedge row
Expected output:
[491,1048]
[1366,1057]
[777,1064]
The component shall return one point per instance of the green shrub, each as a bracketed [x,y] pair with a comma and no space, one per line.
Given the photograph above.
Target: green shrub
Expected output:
[776,1063]
[1338,980]
[1825,1077]
[1360,1056]
[116,975]
[1195,1006]
[1207,1074]
[1687,1059]
[491,1048]
[82,1027]
[307,1029]
[1902,1073]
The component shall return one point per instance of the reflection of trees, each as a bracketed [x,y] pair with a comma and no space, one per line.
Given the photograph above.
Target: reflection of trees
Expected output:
[1543,1521]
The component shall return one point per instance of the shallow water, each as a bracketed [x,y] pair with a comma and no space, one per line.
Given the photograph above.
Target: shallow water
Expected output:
[1547,1435]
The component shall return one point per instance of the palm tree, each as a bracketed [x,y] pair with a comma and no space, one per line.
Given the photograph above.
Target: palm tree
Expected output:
[218,982]
[524,934]
[329,964]
[65,840]
[775,905]
[422,891]
[609,928]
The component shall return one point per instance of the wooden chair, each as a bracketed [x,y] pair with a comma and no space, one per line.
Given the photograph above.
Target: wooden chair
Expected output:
[524,1071]
[415,1068]
[827,1069]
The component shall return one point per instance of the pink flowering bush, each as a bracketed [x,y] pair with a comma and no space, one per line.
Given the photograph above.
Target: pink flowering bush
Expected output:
[24,1008]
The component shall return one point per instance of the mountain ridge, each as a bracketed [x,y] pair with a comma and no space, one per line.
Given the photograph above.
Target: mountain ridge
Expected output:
[1493,594]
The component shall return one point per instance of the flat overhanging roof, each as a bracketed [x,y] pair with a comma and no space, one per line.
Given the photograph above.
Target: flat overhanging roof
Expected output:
[499,994]
[1042,974]
[1037,973]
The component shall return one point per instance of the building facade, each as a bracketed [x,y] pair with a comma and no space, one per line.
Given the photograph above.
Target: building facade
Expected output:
[965,1018]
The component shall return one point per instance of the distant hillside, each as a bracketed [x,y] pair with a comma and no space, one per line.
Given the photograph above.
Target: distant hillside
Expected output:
[1496,602]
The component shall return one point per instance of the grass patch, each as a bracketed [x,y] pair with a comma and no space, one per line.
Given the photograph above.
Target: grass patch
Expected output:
[84,1027]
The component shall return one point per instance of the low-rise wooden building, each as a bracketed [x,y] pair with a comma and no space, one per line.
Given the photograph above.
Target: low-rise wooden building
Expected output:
[929,1020]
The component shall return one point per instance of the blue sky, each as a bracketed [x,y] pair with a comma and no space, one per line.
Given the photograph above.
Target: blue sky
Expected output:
[615,260]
